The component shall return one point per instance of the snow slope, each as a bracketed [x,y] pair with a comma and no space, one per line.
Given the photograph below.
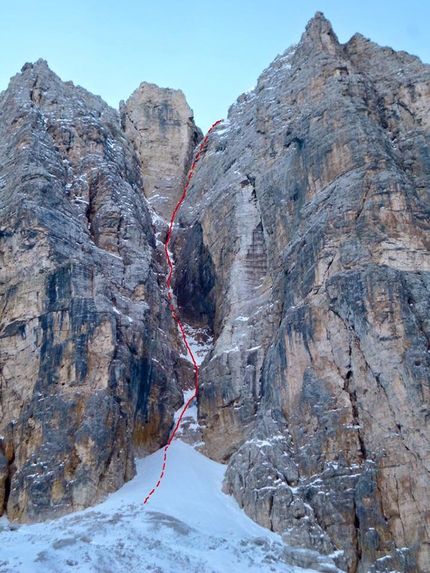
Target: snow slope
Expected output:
[188,526]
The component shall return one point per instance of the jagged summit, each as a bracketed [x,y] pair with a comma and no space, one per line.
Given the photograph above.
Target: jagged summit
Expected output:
[319,35]
[302,248]
[44,86]
[160,124]
[39,64]
[39,70]
[151,87]
[318,25]
[312,240]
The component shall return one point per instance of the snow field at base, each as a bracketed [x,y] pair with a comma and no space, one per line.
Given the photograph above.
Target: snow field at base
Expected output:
[188,526]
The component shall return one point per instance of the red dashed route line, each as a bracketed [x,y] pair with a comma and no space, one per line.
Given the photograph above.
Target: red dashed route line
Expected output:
[173,309]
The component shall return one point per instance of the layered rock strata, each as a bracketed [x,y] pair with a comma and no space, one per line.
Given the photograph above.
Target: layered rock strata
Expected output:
[89,352]
[160,124]
[305,248]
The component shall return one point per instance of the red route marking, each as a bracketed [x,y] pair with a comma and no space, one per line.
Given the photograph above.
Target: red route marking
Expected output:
[173,309]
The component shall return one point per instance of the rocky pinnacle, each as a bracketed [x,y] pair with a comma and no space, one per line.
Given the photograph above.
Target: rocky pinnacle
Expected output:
[303,253]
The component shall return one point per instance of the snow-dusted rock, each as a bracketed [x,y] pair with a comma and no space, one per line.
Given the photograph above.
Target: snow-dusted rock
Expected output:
[302,253]
[311,208]
[189,526]
[160,124]
[87,343]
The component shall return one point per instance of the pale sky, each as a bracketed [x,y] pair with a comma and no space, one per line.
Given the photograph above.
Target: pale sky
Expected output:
[212,50]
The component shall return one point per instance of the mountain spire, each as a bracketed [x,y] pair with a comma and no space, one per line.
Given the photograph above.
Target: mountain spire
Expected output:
[319,33]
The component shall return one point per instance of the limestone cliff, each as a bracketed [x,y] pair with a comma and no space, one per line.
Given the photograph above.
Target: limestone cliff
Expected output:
[305,248]
[88,350]
[160,124]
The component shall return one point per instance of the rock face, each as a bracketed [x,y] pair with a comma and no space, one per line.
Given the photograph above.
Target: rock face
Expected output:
[87,344]
[305,248]
[160,124]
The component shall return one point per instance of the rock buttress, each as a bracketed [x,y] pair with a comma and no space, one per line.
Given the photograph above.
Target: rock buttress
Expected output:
[160,124]
[87,368]
[312,207]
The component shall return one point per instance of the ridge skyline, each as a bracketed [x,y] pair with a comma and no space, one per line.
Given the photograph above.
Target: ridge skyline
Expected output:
[152,47]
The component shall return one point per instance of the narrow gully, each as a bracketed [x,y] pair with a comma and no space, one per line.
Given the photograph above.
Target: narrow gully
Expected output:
[174,312]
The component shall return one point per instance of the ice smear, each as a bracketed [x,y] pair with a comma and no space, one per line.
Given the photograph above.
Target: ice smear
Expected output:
[199,340]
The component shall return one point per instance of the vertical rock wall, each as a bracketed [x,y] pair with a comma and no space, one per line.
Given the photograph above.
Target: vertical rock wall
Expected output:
[312,208]
[87,345]
[303,247]
[160,124]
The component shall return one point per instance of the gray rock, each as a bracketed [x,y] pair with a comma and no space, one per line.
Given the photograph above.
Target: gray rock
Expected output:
[313,206]
[302,248]
[160,124]
[87,370]
[4,475]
